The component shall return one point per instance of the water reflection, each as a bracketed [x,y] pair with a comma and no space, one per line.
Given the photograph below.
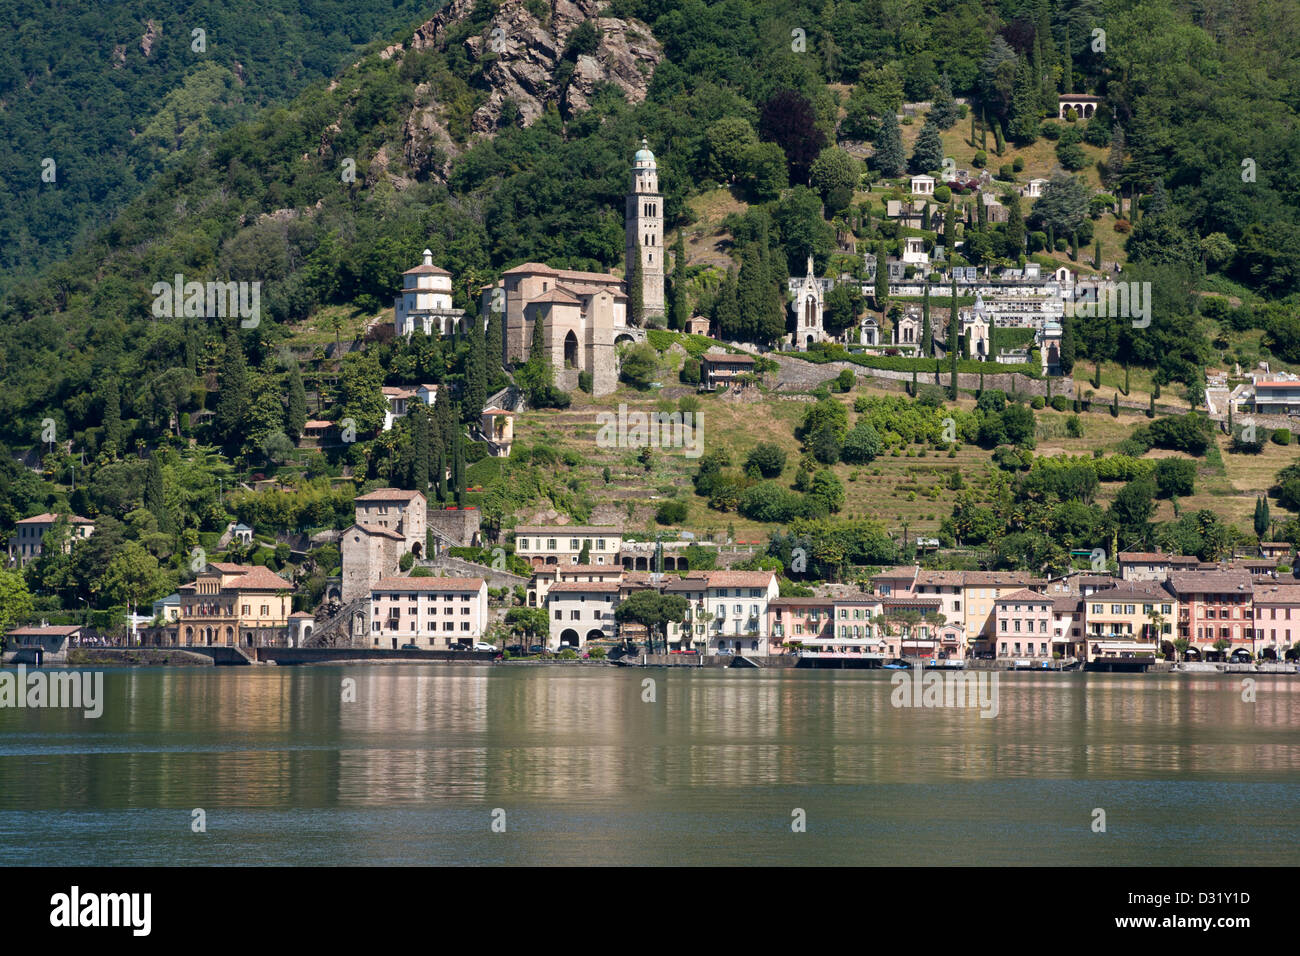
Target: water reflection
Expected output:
[581,762]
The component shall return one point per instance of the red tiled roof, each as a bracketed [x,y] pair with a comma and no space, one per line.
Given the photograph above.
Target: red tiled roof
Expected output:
[389,494]
[375,529]
[584,586]
[428,584]
[46,631]
[50,518]
[739,579]
[721,358]
[1024,594]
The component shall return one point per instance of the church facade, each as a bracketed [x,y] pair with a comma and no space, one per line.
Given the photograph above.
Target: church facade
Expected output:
[585,315]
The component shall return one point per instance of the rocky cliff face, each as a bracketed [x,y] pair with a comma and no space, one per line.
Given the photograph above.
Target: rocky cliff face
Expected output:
[520,53]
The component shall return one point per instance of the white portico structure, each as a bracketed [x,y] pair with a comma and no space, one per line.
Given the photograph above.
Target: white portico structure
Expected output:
[425,302]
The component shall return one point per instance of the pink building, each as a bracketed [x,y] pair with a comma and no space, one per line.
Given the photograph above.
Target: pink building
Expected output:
[1023,624]
[799,622]
[1214,606]
[1277,618]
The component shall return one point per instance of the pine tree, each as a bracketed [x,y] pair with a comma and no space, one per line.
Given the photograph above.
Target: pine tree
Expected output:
[943,109]
[232,403]
[889,157]
[678,307]
[112,418]
[295,416]
[927,334]
[928,153]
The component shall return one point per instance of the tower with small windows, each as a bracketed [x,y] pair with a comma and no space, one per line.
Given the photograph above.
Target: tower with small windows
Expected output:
[645,231]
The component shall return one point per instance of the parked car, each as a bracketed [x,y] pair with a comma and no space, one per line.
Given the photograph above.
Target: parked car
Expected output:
[410,647]
[484,646]
[515,649]
[537,649]
[460,646]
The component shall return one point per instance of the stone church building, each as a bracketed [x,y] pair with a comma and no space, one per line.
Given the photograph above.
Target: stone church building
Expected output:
[586,314]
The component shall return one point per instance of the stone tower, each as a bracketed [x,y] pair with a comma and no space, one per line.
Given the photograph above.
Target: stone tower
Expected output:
[645,230]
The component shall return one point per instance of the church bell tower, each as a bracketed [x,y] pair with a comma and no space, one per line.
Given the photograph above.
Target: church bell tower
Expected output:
[645,231]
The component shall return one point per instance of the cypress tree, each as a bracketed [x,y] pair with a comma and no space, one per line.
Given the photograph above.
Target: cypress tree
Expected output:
[950,226]
[972,129]
[726,311]
[635,291]
[1114,406]
[752,292]
[1126,380]
[459,466]
[1067,344]
[440,475]
[475,374]
[882,277]
[953,342]
[984,131]
[295,416]
[1067,64]
[1025,107]
[420,450]
[112,418]
[678,313]
[1151,406]
[232,403]
[154,500]
[493,346]
[927,334]
[1015,228]
[1096,254]
[1261,518]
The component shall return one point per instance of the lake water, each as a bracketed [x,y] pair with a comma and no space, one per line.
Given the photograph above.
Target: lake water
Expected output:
[585,771]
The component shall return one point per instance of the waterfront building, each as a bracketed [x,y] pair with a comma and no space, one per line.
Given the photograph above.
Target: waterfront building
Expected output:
[727,612]
[1023,623]
[1214,606]
[1277,618]
[235,605]
[582,611]
[431,613]
[1129,622]
[1153,565]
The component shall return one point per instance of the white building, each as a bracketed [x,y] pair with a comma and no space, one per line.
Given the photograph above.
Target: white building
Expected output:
[923,185]
[543,545]
[727,612]
[25,544]
[431,613]
[807,306]
[425,301]
[581,612]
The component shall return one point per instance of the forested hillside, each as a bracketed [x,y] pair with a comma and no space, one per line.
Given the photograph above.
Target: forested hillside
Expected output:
[499,133]
[112,93]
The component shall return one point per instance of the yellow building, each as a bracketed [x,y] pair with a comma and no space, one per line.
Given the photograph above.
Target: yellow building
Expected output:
[235,605]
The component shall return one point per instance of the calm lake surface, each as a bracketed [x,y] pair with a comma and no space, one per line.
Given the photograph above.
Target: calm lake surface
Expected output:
[711,772]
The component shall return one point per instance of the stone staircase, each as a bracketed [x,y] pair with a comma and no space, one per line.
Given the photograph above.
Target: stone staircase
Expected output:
[339,630]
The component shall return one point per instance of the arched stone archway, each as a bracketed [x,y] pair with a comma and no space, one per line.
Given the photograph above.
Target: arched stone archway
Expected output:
[569,637]
[570,350]
[595,636]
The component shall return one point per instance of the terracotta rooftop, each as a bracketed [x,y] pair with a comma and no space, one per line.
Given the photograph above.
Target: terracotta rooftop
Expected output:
[375,529]
[428,584]
[720,358]
[390,494]
[1192,582]
[611,586]
[50,518]
[1024,594]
